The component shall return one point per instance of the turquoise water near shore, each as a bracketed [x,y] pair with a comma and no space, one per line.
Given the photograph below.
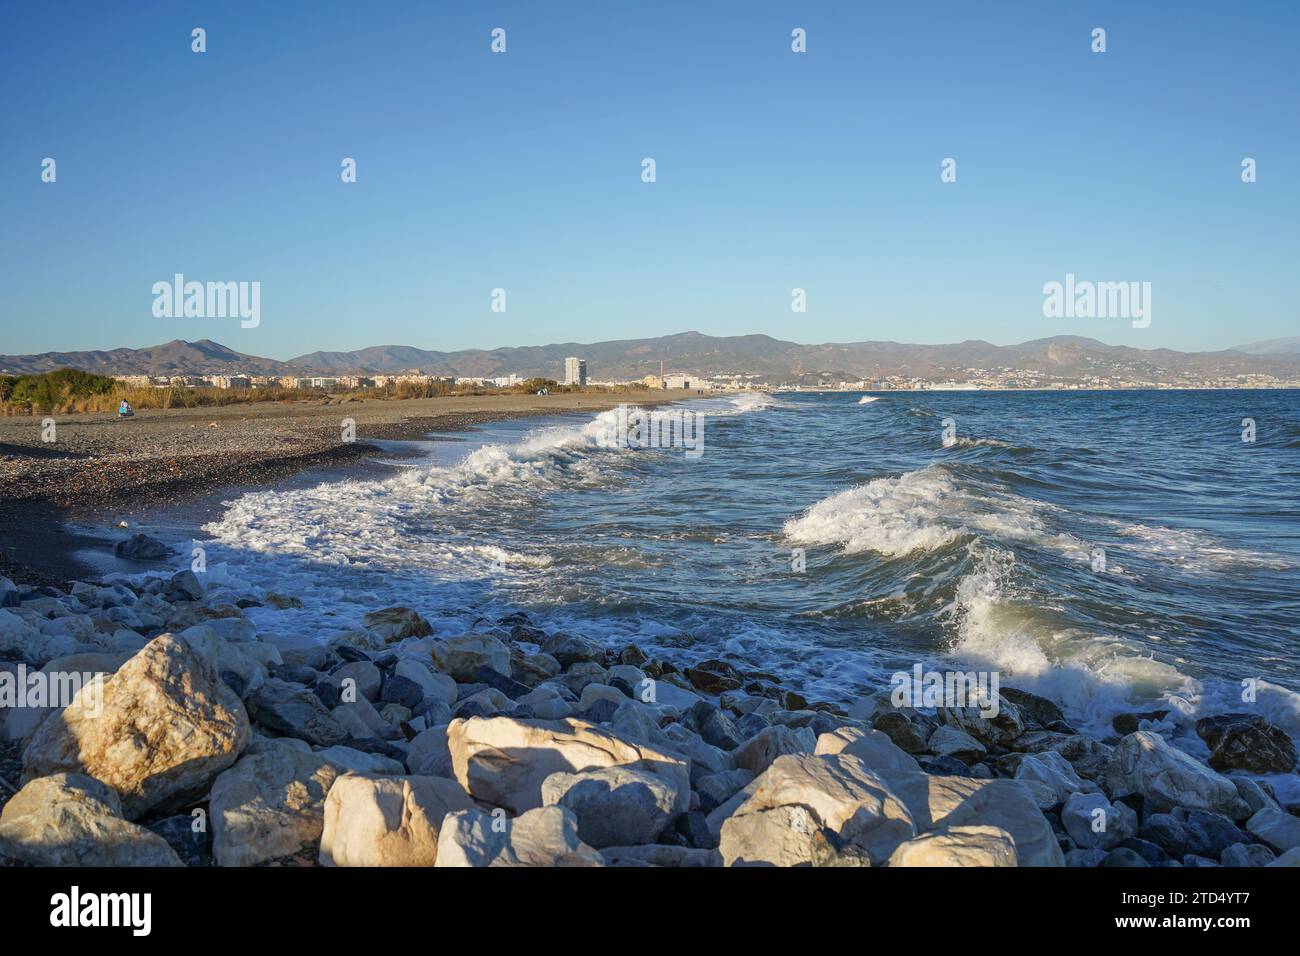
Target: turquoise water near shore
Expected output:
[981,552]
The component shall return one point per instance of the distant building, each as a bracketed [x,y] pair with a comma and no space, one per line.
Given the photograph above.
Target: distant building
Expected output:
[575,371]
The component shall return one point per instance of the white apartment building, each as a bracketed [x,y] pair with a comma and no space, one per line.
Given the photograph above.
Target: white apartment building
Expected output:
[575,371]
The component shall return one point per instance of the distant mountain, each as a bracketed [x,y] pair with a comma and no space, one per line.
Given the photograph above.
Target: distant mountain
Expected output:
[1062,357]
[775,360]
[176,357]
[1286,346]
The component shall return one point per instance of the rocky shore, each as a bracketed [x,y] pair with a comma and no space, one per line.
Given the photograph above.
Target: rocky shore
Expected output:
[203,741]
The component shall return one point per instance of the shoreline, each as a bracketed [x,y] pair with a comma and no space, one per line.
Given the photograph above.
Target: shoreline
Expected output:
[700,764]
[102,471]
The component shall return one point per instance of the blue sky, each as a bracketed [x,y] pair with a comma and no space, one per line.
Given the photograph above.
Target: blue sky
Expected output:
[522,170]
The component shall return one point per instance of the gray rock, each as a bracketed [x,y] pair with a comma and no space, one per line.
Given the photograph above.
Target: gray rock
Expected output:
[294,711]
[617,806]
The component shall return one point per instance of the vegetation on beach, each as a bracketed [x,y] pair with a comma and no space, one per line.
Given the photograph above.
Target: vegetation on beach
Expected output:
[69,391]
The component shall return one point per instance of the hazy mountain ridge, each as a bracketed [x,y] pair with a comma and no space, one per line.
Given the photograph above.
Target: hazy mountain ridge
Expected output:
[762,356]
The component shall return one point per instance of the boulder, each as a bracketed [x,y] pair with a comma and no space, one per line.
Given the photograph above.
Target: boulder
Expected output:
[760,751]
[157,731]
[958,846]
[1247,742]
[804,809]
[617,806]
[461,657]
[950,741]
[1034,710]
[504,761]
[1165,777]
[432,684]
[570,649]
[1276,828]
[141,547]
[69,819]
[1094,823]
[387,821]
[1055,773]
[1289,858]
[430,754]
[998,729]
[939,802]
[395,623]
[545,836]
[902,731]
[358,761]
[269,805]
[1247,854]
[872,747]
[294,711]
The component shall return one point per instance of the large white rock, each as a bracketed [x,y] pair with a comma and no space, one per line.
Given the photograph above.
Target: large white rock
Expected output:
[164,726]
[1278,829]
[69,819]
[387,821]
[958,846]
[268,805]
[872,747]
[942,803]
[797,798]
[547,836]
[503,761]
[617,806]
[1166,777]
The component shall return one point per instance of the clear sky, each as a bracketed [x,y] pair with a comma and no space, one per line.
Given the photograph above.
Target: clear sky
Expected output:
[523,170]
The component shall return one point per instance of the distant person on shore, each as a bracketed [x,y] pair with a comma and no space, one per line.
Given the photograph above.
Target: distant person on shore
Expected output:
[125,410]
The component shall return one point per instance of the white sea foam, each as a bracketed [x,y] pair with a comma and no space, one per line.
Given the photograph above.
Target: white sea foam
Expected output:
[1192,550]
[923,510]
[868,399]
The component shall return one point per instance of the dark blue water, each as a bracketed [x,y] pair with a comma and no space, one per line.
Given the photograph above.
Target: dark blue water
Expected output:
[984,551]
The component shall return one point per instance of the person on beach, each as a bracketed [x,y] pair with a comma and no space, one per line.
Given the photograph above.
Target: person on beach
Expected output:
[125,410]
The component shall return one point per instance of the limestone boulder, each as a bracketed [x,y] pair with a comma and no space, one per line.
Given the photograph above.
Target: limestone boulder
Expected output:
[69,819]
[269,805]
[461,657]
[1165,777]
[546,836]
[503,761]
[803,809]
[958,846]
[157,731]
[944,802]
[1276,828]
[874,748]
[617,806]
[387,821]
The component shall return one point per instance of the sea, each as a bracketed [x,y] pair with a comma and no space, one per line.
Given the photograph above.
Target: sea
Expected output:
[1112,550]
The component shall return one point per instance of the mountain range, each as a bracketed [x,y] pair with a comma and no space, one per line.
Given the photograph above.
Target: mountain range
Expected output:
[761,356]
